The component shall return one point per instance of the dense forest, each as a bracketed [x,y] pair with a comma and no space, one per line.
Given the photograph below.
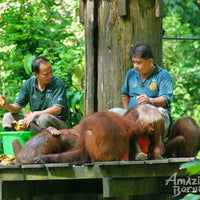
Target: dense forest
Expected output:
[51,28]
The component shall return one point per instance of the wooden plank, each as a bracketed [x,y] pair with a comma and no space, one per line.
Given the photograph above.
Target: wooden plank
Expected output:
[75,172]
[25,189]
[121,7]
[174,160]
[11,172]
[111,179]
[128,187]
[142,170]
[112,169]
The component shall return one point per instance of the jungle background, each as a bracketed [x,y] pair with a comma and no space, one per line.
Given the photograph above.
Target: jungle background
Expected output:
[51,28]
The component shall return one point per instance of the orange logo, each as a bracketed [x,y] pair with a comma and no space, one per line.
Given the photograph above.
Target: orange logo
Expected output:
[134,85]
[152,86]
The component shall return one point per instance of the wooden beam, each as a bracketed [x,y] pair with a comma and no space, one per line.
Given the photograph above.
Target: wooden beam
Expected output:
[130,186]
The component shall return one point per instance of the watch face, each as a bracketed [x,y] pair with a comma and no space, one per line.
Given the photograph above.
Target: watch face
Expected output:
[151,101]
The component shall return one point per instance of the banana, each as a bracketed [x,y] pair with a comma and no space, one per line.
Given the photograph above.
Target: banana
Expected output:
[2,102]
[18,125]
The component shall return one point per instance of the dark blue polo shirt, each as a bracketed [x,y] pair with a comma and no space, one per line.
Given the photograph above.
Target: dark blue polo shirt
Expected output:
[54,94]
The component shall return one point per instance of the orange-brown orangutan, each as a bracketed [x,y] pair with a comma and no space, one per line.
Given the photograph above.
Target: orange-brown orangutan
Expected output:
[48,141]
[185,139]
[149,144]
[104,136]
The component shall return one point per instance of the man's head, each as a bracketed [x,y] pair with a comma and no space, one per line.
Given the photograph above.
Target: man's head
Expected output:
[142,58]
[143,50]
[37,62]
[42,70]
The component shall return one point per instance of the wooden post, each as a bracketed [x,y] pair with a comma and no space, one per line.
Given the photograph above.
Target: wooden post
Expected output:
[116,26]
[90,58]
[81,11]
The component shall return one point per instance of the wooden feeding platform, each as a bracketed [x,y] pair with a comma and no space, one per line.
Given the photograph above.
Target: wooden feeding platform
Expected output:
[100,180]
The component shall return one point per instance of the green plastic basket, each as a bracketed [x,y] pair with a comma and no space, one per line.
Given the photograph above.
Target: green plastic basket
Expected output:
[9,136]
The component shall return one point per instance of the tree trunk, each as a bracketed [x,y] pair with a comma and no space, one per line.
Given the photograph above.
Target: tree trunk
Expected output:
[117,25]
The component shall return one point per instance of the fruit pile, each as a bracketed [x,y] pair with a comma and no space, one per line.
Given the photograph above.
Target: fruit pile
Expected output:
[6,159]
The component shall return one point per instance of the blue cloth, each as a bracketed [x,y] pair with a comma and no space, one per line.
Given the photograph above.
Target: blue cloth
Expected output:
[158,83]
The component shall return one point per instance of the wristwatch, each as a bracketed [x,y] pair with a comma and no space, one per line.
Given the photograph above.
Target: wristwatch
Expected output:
[151,101]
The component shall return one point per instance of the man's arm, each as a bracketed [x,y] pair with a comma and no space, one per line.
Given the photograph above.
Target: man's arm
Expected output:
[54,110]
[158,101]
[125,101]
[13,108]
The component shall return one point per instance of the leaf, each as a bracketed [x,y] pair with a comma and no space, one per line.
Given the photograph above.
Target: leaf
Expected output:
[28,59]
[192,167]
[191,197]
[198,155]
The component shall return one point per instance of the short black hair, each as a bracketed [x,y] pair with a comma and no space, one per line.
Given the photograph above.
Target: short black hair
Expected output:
[37,62]
[142,49]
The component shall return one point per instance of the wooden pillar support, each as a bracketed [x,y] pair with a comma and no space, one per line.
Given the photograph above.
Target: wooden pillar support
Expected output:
[90,57]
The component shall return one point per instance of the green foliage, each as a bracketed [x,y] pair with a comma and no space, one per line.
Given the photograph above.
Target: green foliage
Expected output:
[28,59]
[42,28]
[191,197]
[181,57]
[193,168]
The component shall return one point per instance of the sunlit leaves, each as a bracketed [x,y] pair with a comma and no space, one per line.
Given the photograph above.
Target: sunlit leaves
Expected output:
[182,57]
[47,28]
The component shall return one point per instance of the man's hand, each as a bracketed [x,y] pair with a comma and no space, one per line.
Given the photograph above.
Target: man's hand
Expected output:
[19,125]
[3,102]
[28,119]
[143,99]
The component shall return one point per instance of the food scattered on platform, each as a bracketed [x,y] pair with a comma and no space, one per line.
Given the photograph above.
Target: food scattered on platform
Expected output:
[6,159]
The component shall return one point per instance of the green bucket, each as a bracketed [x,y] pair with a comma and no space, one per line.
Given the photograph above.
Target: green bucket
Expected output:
[9,136]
